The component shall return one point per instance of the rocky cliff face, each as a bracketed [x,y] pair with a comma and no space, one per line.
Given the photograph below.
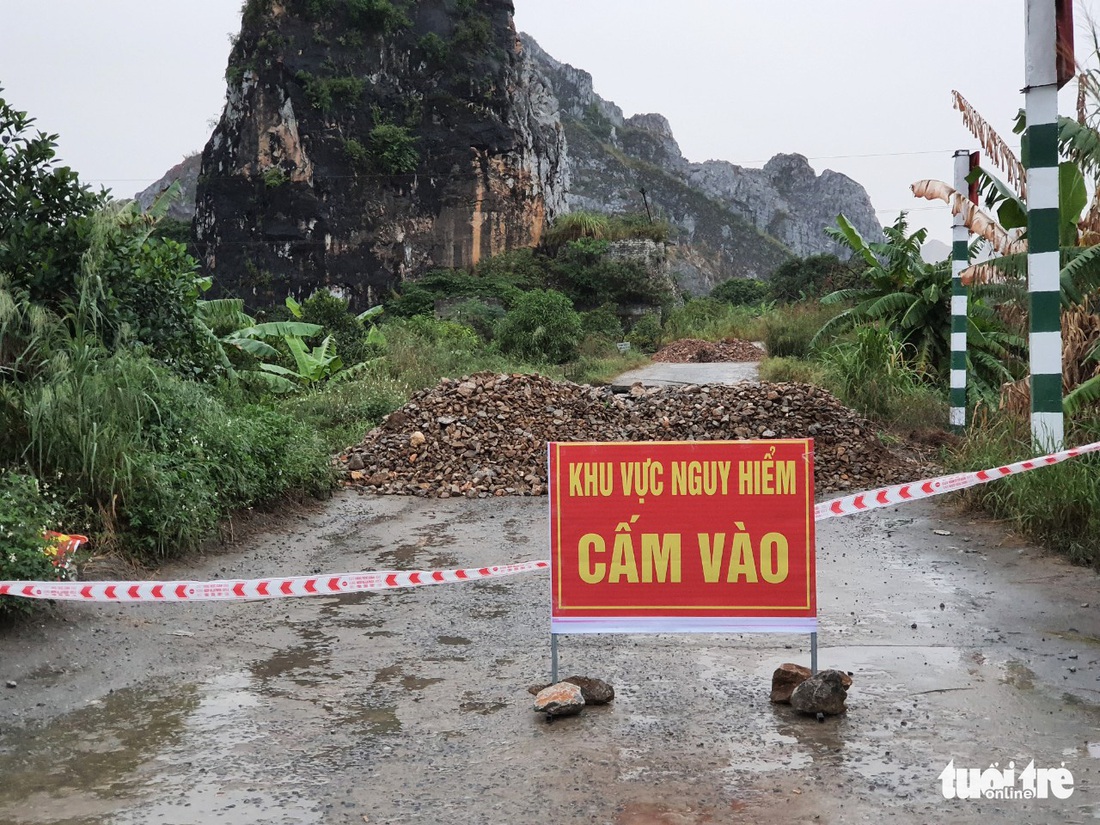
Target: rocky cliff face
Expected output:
[364,142]
[730,221]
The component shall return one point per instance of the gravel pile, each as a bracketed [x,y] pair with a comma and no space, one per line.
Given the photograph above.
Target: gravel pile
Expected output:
[693,351]
[486,434]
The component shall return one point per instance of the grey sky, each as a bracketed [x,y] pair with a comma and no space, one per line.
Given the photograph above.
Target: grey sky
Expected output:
[859,86]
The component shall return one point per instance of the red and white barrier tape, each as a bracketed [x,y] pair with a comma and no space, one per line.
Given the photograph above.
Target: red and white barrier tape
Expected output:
[255,589]
[901,493]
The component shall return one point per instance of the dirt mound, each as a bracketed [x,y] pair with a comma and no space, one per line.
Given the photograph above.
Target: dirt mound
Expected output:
[486,434]
[693,351]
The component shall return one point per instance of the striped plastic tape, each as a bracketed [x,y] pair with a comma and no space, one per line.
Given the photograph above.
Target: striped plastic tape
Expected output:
[281,588]
[902,493]
[255,589]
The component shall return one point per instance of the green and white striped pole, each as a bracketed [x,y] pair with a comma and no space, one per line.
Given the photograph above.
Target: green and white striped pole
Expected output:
[960,260]
[1041,160]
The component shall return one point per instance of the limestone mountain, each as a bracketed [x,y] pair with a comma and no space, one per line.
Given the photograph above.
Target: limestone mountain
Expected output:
[730,221]
[364,142]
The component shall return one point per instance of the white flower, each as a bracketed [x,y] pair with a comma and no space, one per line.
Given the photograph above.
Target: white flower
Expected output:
[11,557]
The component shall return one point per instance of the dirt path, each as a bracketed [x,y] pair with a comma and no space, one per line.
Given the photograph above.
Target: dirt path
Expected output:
[410,707]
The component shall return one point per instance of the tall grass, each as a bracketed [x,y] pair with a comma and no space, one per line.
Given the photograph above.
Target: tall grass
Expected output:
[1057,506]
[871,374]
[154,462]
[789,328]
[710,320]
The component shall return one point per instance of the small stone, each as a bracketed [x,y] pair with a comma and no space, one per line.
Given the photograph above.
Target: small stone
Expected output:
[825,692]
[562,699]
[942,532]
[785,679]
[594,691]
[12,683]
[355,462]
[416,439]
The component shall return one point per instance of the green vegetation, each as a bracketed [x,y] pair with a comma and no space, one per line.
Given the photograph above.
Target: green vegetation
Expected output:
[740,291]
[329,94]
[275,177]
[1055,506]
[380,16]
[597,226]
[542,327]
[393,149]
[435,50]
[25,514]
[711,320]
[801,279]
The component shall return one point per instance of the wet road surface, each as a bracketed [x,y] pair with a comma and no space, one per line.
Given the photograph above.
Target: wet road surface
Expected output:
[410,706]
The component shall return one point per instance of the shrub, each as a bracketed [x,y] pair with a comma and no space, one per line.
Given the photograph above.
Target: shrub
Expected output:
[646,333]
[342,412]
[411,301]
[602,321]
[812,277]
[421,350]
[25,514]
[330,93]
[160,459]
[541,327]
[582,271]
[796,370]
[435,49]
[275,177]
[393,149]
[740,291]
[479,316]
[348,332]
[357,153]
[377,15]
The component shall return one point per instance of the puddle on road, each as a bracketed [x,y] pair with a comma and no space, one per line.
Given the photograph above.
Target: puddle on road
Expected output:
[141,755]
[89,756]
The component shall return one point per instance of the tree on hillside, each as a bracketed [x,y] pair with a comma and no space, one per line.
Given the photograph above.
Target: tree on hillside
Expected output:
[44,210]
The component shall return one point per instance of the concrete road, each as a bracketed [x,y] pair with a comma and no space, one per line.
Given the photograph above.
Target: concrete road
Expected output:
[410,706]
[666,375]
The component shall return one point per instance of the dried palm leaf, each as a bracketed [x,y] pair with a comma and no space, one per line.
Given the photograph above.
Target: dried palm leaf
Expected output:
[995,148]
[977,221]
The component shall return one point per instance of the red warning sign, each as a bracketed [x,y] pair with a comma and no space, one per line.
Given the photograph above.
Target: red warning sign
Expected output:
[706,536]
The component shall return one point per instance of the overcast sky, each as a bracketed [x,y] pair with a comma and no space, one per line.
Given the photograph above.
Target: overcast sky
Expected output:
[859,86]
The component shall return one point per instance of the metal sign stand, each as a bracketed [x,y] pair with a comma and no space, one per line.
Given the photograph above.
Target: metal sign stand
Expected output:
[554,656]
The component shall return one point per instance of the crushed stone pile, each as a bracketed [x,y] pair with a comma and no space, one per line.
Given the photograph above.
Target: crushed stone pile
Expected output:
[694,351]
[486,434]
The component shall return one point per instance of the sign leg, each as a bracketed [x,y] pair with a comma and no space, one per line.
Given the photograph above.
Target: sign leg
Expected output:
[553,658]
[813,653]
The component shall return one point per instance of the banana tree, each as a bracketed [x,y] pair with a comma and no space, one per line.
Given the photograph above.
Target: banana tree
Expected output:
[912,297]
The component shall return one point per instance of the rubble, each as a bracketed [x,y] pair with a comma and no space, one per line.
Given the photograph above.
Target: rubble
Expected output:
[694,351]
[485,435]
